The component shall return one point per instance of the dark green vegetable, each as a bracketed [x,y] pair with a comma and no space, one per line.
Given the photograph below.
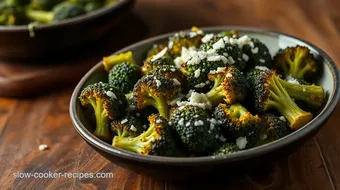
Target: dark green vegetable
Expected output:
[150,65]
[274,127]
[197,131]
[155,91]
[268,93]
[124,76]
[45,5]
[229,85]
[237,122]
[110,61]
[157,140]
[11,14]
[107,103]
[128,126]
[296,62]
[185,39]
[226,148]
[258,54]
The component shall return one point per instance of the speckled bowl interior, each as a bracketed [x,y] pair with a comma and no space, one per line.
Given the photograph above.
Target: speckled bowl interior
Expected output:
[329,79]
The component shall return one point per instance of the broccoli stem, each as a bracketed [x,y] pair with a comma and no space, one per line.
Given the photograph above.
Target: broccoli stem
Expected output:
[140,144]
[281,100]
[215,95]
[102,120]
[110,61]
[295,65]
[238,111]
[162,107]
[40,16]
[311,94]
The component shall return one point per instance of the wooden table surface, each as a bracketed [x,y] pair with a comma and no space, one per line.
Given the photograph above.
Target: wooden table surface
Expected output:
[27,123]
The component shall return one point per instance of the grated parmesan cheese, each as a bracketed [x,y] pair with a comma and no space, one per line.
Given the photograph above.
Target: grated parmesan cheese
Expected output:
[43,147]
[124,121]
[133,128]
[111,94]
[197,73]
[158,83]
[263,68]
[292,80]
[207,38]
[241,142]
[160,54]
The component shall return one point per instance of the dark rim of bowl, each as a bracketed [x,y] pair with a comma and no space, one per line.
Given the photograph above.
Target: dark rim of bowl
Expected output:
[256,151]
[89,16]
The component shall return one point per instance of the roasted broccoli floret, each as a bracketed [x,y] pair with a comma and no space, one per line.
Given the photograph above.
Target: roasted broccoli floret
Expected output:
[107,102]
[155,91]
[268,93]
[229,84]
[311,94]
[150,65]
[169,72]
[273,127]
[128,126]
[296,62]
[258,54]
[124,76]
[229,34]
[156,140]
[185,39]
[44,4]
[60,12]
[197,131]
[226,148]
[224,48]
[110,61]
[11,14]
[238,122]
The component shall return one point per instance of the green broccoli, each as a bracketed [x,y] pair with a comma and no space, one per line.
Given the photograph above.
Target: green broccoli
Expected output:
[150,65]
[89,5]
[128,126]
[155,91]
[185,39]
[268,93]
[258,54]
[11,14]
[273,127]
[60,12]
[229,34]
[17,2]
[45,5]
[124,76]
[226,148]
[156,140]
[313,95]
[169,72]
[238,122]
[224,48]
[229,84]
[107,103]
[197,131]
[110,61]
[296,62]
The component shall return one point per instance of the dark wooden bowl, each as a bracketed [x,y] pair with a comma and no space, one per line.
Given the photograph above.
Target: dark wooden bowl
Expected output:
[180,168]
[53,40]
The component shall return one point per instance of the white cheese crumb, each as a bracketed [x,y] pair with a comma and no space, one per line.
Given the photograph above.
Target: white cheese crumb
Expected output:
[262,60]
[177,99]
[283,118]
[197,99]
[111,94]
[244,40]
[207,82]
[131,108]
[137,114]
[213,120]
[207,38]
[218,70]
[229,75]
[241,142]
[222,139]
[170,44]
[263,68]
[43,147]
[197,73]
[219,44]
[181,122]
[124,121]
[200,85]
[158,83]
[144,126]
[160,54]
[292,80]
[176,82]
[188,124]
[231,60]
[152,139]
[178,62]
[212,126]
[158,121]
[170,123]
[199,123]
[255,50]
[133,128]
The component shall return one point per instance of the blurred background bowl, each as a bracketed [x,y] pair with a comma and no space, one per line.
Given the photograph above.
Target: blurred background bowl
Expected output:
[191,167]
[64,37]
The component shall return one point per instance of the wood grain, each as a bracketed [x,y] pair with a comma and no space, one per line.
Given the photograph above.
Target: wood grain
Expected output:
[26,123]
